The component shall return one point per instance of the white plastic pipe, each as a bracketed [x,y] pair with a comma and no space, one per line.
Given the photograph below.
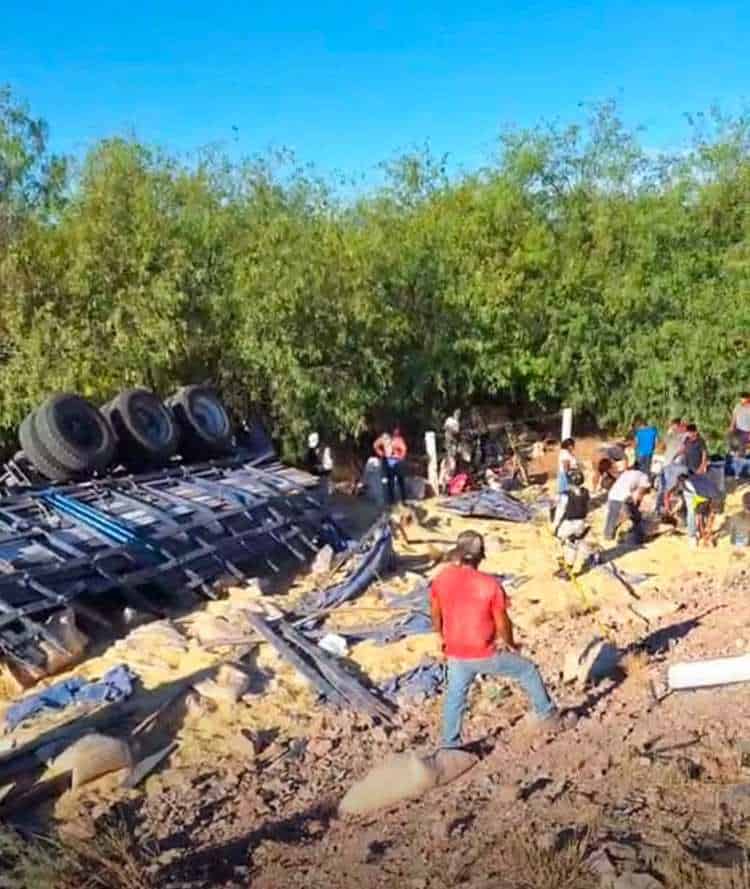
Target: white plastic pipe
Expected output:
[567,423]
[703,674]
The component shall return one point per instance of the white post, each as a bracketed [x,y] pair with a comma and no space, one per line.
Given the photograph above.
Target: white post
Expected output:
[567,423]
[430,444]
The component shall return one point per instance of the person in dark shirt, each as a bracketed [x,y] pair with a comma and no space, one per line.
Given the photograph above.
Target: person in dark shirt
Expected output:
[702,500]
[569,524]
[694,450]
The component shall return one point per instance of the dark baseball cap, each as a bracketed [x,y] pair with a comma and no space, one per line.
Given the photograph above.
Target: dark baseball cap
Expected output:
[469,547]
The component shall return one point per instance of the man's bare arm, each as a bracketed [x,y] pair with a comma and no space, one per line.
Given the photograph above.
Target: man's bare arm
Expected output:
[437,617]
[504,627]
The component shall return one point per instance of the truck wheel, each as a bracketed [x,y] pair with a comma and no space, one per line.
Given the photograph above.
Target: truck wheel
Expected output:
[146,430]
[37,454]
[75,434]
[203,420]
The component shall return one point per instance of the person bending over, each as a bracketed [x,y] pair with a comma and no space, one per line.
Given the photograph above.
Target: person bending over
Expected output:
[629,489]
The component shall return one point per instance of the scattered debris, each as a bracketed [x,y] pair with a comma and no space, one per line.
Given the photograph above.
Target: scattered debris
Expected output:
[333,682]
[115,685]
[425,680]
[334,643]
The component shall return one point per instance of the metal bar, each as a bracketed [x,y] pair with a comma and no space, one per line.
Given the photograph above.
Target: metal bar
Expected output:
[332,694]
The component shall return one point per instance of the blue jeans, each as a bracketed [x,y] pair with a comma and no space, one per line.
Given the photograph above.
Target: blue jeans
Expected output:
[643,462]
[614,510]
[461,674]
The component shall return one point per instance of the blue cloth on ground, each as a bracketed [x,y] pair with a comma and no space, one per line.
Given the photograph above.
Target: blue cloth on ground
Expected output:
[375,557]
[645,441]
[115,685]
[425,679]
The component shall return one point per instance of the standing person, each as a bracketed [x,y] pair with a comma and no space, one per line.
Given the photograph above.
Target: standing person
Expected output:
[392,451]
[565,462]
[469,613]
[629,488]
[318,461]
[645,444]
[694,451]
[740,425]
[569,524]
[674,441]
[451,433]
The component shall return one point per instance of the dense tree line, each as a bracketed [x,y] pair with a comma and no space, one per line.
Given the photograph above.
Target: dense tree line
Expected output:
[576,268]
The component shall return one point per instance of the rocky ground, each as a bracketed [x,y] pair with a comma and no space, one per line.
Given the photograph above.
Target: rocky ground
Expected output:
[647,790]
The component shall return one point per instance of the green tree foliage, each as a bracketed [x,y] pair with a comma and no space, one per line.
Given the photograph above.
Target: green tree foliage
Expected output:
[575,268]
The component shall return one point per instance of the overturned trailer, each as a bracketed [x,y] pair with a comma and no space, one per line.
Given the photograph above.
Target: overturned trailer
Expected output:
[148,541]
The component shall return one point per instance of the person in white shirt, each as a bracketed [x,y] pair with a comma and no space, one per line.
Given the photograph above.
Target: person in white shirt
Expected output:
[629,488]
[739,428]
[565,462]
[451,432]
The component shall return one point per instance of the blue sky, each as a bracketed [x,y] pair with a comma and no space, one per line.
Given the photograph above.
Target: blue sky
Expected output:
[347,86]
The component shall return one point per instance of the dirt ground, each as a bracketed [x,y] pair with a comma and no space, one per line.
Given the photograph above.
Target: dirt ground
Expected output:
[648,789]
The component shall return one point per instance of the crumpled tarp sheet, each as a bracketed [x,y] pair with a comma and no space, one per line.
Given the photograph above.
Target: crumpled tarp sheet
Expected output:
[414,624]
[425,680]
[373,562]
[417,598]
[490,505]
[115,685]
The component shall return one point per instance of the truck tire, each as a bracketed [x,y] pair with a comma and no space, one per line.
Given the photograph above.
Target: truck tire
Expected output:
[204,422]
[37,455]
[75,434]
[146,431]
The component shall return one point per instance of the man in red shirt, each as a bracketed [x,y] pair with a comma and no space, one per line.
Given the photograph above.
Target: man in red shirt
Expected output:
[469,612]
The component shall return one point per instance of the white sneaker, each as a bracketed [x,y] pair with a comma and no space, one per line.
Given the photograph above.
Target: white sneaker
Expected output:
[692,543]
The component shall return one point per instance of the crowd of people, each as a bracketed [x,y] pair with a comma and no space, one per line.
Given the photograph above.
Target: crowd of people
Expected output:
[469,607]
[675,466]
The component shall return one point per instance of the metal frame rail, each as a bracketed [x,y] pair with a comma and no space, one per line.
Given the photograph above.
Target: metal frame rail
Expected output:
[146,539]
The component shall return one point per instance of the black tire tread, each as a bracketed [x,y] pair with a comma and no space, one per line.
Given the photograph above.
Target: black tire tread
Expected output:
[37,454]
[75,460]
